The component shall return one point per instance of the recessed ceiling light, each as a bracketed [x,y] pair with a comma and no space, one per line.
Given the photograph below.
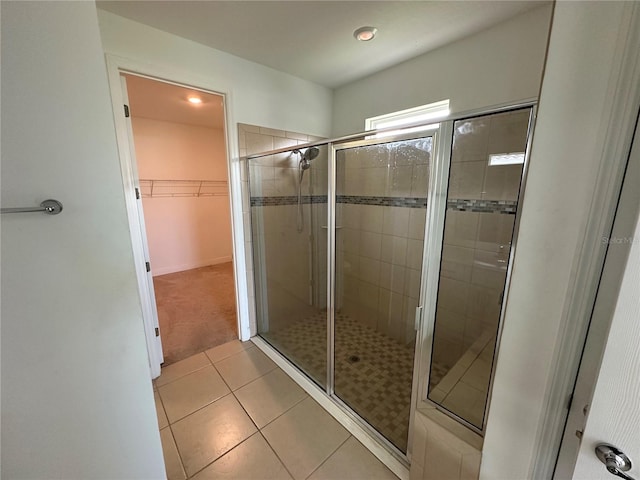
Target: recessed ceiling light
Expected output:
[195,100]
[364,34]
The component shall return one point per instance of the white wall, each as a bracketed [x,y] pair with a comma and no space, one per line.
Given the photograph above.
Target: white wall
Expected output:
[500,65]
[261,95]
[576,107]
[183,232]
[77,400]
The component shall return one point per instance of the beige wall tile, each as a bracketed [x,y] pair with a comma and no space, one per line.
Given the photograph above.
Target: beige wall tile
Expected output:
[420,181]
[374,181]
[400,181]
[396,221]
[393,250]
[453,295]
[370,218]
[502,182]
[466,180]
[417,220]
[470,466]
[272,132]
[258,143]
[461,229]
[441,462]
[370,244]
[457,262]
[471,140]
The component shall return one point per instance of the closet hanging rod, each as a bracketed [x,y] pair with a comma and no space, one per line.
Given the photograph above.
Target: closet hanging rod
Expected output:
[50,207]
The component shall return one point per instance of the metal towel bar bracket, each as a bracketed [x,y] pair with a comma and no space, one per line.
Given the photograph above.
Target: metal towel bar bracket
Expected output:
[50,207]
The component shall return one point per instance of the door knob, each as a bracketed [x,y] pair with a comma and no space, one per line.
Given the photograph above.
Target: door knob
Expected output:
[614,460]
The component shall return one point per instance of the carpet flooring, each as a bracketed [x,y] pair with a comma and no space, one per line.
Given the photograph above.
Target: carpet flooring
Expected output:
[196,310]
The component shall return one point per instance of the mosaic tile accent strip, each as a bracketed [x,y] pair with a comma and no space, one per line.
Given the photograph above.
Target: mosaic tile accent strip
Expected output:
[286,200]
[409,202]
[485,206]
[459,204]
[373,372]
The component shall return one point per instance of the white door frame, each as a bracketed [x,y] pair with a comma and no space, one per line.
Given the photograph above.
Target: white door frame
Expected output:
[619,244]
[620,113]
[115,66]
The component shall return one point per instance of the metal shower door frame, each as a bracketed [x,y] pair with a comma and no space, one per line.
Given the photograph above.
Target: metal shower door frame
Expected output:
[334,147]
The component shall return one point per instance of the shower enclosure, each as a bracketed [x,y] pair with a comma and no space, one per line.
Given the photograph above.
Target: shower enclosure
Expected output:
[381,264]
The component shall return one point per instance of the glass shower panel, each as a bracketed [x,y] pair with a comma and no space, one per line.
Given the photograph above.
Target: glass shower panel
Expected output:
[484,182]
[381,192]
[289,226]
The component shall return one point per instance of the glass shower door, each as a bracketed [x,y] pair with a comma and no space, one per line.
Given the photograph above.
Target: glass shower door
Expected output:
[289,224]
[381,197]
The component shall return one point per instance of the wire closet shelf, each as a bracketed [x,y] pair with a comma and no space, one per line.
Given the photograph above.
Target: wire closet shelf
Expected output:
[183,188]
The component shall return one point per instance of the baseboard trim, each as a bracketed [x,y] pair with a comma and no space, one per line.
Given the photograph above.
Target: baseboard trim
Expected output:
[156,272]
[386,457]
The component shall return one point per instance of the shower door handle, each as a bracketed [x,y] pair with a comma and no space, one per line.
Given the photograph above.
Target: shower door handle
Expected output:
[324,227]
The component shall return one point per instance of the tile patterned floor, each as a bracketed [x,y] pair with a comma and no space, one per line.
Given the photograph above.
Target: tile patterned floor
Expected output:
[231,413]
[373,372]
[196,310]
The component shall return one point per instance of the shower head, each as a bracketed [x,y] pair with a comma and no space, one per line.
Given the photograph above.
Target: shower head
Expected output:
[306,156]
[310,153]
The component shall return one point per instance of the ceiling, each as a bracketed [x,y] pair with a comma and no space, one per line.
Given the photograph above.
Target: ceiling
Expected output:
[164,101]
[314,39]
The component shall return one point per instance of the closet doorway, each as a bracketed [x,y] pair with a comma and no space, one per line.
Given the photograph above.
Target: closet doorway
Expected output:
[179,156]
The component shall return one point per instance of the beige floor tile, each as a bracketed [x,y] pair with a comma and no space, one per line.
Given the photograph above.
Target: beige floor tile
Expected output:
[252,459]
[269,396]
[221,352]
[304,437]
[352,461]
[182,368]
[211,432]
[162,417]
[244,367]
[172,462]
[191,392]
[466,401]
[478,375]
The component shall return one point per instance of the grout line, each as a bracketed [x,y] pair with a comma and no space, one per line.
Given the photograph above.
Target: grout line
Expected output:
[330,455]
[288,409]
[175,443]
[276,454]
[199,408]
[182,376]
[225,453]
[245,410]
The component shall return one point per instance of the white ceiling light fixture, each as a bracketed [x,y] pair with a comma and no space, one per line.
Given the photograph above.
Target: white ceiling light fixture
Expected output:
[365,34]
[194,100]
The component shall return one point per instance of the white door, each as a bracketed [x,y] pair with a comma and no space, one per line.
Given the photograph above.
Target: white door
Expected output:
[614,411]
[141,248]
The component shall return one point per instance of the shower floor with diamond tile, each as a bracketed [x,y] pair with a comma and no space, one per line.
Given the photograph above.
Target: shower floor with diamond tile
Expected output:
[373,372]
